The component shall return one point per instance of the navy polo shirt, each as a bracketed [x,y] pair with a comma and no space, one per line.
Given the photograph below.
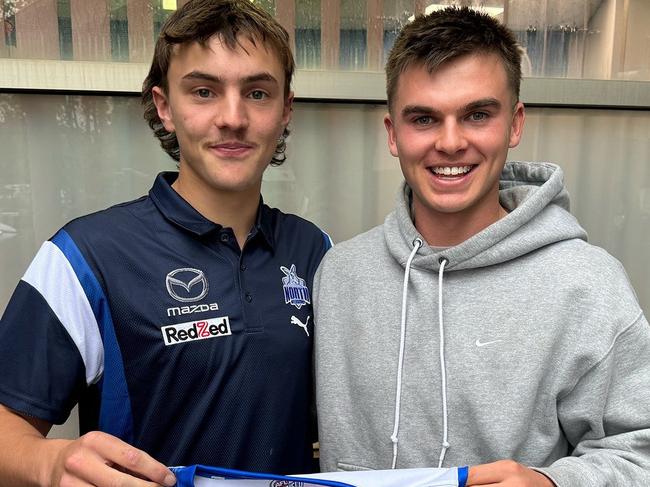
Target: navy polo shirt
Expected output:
[170,337]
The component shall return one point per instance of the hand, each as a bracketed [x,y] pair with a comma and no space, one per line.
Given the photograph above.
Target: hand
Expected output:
[505,473]
[99,459]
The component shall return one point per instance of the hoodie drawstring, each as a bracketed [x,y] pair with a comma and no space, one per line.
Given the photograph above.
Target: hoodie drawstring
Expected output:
[417,244]
[443,366]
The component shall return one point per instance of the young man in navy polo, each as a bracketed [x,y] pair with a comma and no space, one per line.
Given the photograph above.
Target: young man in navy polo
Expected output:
[181,322]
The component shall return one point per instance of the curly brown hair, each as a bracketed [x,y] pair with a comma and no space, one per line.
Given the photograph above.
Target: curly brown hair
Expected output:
[434,39]
[198,21]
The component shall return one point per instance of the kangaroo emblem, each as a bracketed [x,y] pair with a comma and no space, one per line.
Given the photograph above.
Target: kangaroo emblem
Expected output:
[296,321]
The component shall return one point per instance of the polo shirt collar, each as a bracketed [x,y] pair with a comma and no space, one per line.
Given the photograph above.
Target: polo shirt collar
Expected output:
[264,223]
[178,211]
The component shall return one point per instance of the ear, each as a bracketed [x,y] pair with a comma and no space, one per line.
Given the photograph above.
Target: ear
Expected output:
[392,141]
[162,106]
[288,108]
[517,127]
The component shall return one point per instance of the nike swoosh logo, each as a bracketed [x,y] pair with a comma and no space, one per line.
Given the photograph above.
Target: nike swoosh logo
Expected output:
[479,343]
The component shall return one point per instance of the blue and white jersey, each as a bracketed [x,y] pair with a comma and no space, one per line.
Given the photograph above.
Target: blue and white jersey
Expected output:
[202,476]
[170,337]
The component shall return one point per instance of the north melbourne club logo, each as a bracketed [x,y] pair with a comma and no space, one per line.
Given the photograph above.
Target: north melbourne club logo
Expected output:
[186,284]
[296,291]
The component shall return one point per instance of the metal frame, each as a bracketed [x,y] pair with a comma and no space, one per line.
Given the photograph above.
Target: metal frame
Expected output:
[309,85]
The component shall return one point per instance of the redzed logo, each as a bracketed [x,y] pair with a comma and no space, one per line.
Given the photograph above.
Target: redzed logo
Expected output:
[196,330]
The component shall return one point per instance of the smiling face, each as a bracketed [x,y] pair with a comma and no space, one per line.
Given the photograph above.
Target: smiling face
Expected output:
[451,130]
[227,107]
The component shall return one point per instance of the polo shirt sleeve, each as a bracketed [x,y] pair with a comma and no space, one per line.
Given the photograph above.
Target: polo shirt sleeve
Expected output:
[327,242]
[50,346]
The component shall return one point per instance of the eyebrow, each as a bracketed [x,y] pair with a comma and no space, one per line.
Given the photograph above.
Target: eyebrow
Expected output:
[417,110]
[475,105]
[482,103]
[260,77]
[199,75]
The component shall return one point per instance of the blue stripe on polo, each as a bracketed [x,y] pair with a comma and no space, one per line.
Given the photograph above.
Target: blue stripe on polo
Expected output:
[115,415]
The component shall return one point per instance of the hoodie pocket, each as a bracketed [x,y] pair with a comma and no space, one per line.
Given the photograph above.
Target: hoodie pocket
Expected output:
[350,467]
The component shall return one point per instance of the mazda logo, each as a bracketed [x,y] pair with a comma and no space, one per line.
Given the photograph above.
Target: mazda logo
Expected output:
[187,284]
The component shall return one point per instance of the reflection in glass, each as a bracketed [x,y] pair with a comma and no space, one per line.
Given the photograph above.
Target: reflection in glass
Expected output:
[574,39]
[308,34]
[119,30]
[353,36]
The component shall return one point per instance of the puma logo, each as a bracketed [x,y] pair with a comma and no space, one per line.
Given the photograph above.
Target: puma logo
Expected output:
[296,321]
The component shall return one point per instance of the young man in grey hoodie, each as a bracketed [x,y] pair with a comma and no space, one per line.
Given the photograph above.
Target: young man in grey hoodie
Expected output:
[477,325]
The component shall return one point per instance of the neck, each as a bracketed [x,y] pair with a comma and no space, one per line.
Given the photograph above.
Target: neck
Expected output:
[450,229]
[234,209]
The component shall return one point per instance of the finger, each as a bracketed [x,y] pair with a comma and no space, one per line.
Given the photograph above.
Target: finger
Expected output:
[92,470]
[481,475]
[113,451]
[127,479]
[140,463]
[71,480]
[491,473]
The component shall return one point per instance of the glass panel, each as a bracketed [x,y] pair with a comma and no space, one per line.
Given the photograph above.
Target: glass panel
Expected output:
[8,31]
[554,35]
[161,10]
[396,14]
[65,156]
[353,36]
[593,39]
[308,34]
[119,30]
[65,29]
[635,59]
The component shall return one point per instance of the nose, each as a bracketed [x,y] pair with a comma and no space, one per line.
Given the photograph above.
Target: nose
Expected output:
[231,112]
[450,138]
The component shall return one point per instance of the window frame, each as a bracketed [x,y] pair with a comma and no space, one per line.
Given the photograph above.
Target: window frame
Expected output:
[28,75]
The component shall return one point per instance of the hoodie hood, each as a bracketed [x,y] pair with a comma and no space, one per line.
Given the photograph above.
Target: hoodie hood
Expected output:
[538,215]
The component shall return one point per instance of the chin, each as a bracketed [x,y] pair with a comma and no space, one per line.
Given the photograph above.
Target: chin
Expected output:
[233,186]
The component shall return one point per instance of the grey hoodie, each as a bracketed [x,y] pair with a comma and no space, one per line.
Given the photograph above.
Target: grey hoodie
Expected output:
[523,342]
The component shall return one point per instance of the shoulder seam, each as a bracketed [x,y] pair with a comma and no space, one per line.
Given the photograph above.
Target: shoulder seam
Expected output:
[598,362]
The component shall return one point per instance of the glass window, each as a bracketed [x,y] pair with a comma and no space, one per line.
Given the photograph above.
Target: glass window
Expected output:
[65,156]
[584,39]
[308,34]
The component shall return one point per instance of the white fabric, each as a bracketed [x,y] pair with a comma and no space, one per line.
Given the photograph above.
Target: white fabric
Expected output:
[412,477]
[53,277]
[409,477]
